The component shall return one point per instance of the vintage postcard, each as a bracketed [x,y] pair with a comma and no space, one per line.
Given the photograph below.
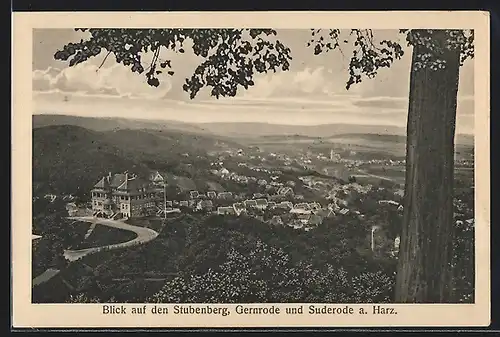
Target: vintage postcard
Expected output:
[246,169]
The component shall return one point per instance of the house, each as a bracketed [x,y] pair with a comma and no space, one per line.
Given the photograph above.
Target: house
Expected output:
[285,191]
[239,208]
[299,197]
[261,204]
[68,197]
[344,211]
[170,210]
[211,194]
[225,195]
[169,203]
[157,178]
[388,202]
[192,203]
[226,211]
[397,242]
[271,204]
[290,183]
[285,205]
[258,195]
[125,194]
[184,203]
[50,197]
[194,194]
[204,205]
[262,182]
[300,210]
[303,205]
[250,203]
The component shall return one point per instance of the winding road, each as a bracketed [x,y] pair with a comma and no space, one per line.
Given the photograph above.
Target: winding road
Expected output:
[143,235]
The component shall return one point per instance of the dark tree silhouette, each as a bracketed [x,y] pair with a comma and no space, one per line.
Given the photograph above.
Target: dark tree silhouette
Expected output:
[233,56]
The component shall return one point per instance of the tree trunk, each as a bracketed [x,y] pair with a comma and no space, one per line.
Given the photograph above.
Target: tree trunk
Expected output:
[424,274]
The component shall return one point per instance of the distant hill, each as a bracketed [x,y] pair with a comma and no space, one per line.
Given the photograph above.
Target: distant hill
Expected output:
[245,131]
[67,158]
[324,130]
[460,139]
[356,138]
[113,123]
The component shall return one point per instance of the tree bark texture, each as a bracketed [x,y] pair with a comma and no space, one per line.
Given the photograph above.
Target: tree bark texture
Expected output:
[424,273]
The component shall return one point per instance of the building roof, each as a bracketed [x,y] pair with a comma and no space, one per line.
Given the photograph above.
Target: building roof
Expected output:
[261,202]
[136,184]
[250,203]
[284,190]
[286,203]
[226,210]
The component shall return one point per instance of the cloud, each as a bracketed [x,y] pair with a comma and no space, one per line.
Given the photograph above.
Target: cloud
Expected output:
[383,102]
[309,82]
[87,79]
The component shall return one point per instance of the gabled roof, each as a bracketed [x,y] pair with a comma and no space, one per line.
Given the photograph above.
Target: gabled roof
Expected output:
[134,185]
[117,179]
[302,205]
[111,181]
[103,183]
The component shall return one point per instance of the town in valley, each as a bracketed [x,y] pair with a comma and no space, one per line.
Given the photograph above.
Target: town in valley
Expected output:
[279,182]
[209,166]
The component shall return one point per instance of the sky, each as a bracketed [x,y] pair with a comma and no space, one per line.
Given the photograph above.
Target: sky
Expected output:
[312,92]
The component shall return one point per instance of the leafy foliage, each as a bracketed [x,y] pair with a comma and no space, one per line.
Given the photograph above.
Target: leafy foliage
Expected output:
[267,274]
[368,56]
[231,56]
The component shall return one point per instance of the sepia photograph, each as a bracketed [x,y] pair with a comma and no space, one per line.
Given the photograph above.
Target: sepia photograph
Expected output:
[314,167]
